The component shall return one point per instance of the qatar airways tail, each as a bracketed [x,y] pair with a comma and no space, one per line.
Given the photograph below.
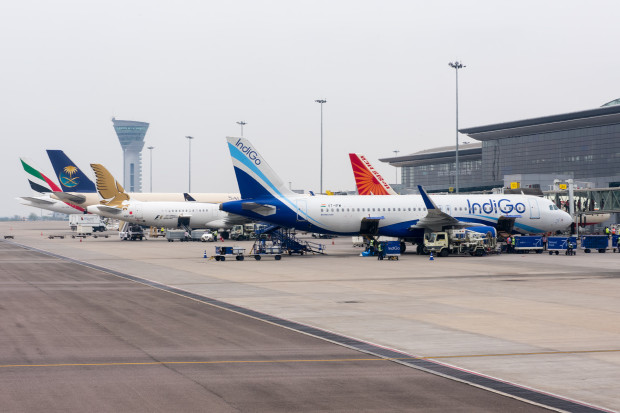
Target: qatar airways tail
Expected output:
[367,179]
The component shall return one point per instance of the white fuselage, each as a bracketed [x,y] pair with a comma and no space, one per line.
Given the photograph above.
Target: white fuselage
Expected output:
[397,215]
[170,214]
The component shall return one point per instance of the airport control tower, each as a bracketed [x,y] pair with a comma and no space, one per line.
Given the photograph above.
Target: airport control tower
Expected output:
[131,136]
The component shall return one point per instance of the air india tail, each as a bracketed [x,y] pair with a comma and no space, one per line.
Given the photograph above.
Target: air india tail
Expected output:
[367,179]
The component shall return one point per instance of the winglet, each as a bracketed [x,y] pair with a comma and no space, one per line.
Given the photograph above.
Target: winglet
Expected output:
[427,199]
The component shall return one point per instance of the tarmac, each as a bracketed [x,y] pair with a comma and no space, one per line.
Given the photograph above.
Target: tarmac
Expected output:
[539,323]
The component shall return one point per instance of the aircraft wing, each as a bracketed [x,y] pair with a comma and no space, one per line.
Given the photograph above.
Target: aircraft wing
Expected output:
[435,218]
[261,209]
[70,197]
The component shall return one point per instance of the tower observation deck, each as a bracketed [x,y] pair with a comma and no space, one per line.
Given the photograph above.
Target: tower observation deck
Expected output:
[131,136]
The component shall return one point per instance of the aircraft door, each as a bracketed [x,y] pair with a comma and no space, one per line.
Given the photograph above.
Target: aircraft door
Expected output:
[137,212]
[302,209]
[534,209]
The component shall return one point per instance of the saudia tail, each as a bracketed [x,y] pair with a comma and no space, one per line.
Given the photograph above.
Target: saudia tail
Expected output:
[367,179]
[255,177]
[71,178]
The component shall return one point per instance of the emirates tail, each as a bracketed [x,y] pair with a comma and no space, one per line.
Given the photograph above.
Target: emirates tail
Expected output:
[367,179]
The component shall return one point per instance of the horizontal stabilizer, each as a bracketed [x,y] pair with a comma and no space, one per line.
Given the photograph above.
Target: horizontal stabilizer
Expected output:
[39,201]
[70,197]
[109,209]
[261,209]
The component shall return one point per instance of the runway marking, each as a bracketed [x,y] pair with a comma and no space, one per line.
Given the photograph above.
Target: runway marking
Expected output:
[539,353]
[154,363]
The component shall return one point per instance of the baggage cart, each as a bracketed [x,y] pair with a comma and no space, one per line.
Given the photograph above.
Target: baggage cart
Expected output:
[392,250]
[175,235]
[594,242]
[555,245]
[527,243]
[222,252]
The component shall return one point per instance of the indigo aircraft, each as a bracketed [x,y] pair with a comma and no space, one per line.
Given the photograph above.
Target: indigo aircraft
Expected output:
[408,217]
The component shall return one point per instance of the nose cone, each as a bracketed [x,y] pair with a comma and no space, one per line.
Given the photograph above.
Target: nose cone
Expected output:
[566,218]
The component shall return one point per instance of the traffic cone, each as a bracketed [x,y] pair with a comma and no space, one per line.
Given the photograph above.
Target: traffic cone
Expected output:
[205,256]
[41,233]
[80,239]
[332,242]
[431,258]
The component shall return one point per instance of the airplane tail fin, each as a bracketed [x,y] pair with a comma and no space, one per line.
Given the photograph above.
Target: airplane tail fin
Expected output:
[38,181]
[367,179]
[255,177]
[71,178]
[109,189]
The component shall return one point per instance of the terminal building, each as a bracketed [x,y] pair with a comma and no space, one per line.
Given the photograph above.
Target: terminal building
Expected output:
[131,136]
[583,146]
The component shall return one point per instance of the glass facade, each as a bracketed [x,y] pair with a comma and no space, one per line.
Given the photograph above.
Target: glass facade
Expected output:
[131,137]
[586,153]
[441,176]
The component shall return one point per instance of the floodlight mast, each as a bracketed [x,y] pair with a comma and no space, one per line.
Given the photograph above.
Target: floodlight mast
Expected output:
[321,101]
[456,66]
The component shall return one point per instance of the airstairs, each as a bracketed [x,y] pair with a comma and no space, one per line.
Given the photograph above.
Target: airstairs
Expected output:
[285,237]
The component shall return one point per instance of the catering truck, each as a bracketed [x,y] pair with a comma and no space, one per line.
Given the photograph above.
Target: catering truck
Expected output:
[92,221]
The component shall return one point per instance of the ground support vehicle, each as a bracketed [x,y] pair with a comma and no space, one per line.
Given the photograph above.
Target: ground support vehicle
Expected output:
[155,232]
[222,252]
[527,243]
[131,232]
[263,248]
[176,235]
[459,241]
[560,244]
[208,236]
[94,221]
[56,236]
[594,242]
[196,234]
[245,231]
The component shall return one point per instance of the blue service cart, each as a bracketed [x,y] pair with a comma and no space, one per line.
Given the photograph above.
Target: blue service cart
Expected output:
[614,243]
[594,242]
[557,244]
[527,243]
[222,252]
[392,250]
[263,248]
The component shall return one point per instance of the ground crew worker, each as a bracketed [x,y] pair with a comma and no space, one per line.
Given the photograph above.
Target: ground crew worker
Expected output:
[372,246]
[607,231]
[508,243]
[514,243]
[569,247]
[380,251]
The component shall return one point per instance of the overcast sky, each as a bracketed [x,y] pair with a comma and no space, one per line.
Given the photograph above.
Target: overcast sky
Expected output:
[197,67]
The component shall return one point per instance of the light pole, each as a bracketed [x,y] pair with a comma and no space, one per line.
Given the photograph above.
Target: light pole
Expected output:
[321,101]
[150,148]
[241,123]
[189,139]
[396,173]
[456,66]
